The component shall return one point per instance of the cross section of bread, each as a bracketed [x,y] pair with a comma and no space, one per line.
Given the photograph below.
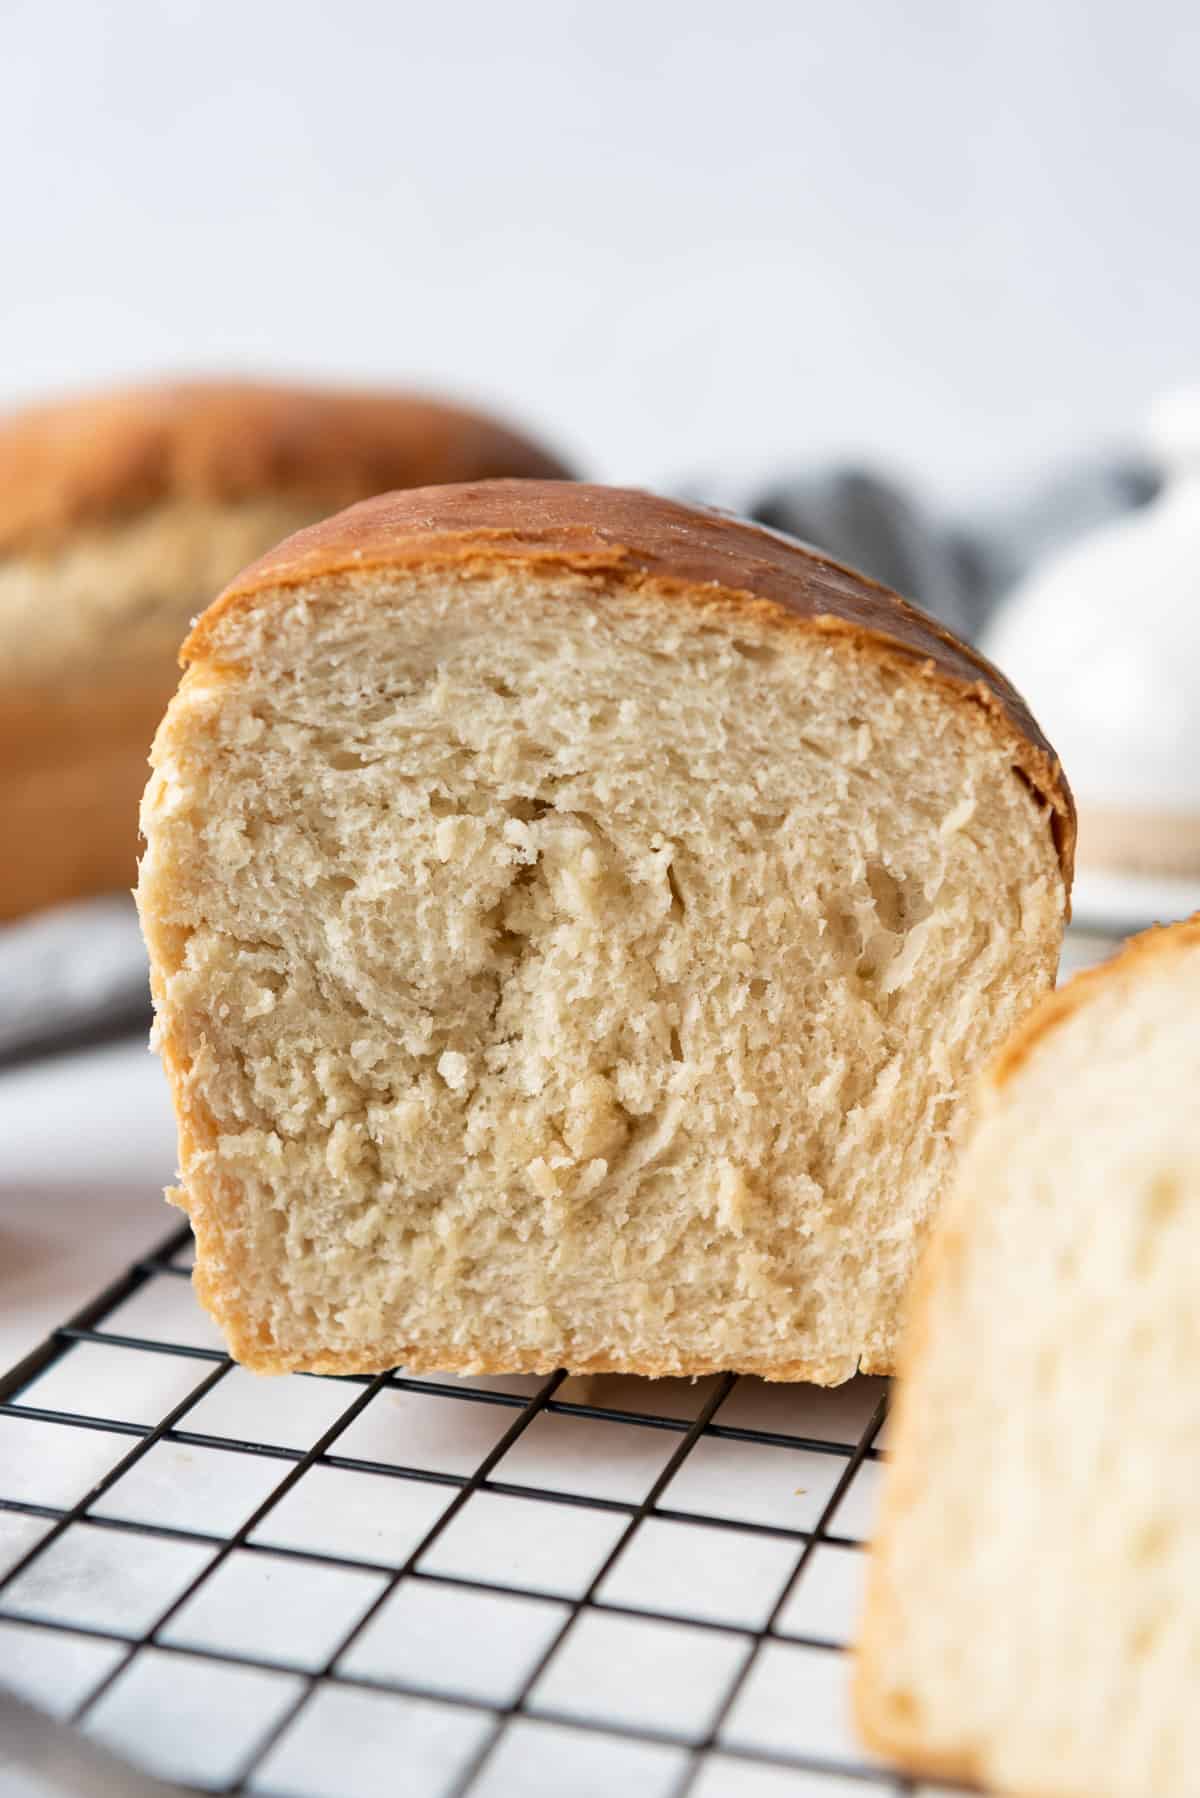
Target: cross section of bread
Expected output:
[575,920]
[1033,1618]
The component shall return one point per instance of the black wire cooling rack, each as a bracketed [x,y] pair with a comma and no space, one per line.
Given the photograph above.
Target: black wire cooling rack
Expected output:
[249,1639]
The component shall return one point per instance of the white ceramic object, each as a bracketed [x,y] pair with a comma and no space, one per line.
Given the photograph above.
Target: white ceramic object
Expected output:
[1104,642]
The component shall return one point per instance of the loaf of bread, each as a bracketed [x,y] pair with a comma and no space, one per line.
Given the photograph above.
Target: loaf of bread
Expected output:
[120,518]
[1033,1619]
[574,919]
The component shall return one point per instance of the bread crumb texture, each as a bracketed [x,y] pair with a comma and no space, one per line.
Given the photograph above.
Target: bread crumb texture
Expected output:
[1033,1619]
[553,972]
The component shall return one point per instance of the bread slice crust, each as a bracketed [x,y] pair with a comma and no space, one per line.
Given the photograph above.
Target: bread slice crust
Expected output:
[885,1732]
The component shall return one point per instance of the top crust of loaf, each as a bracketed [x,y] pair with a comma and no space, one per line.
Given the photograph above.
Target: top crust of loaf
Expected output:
[623,537]
[80,462]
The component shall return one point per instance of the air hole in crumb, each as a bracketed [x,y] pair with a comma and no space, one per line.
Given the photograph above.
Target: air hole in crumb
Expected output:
[678,906]
[441,806]
[888,895]
[528,811]
[844,932]
[345,759]
[676,1045]
[503,921]
[172,942]
[500,688]
[758,989]
[755,652]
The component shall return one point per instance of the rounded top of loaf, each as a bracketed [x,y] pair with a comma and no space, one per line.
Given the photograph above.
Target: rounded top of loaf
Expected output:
[88,461]
[1146,950]
[628,539]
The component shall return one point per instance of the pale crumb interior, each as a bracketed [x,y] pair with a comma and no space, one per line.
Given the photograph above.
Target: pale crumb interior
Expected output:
[556,977]
[1039,1578]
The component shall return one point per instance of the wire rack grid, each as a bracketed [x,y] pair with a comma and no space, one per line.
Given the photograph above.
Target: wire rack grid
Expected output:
[338,1587]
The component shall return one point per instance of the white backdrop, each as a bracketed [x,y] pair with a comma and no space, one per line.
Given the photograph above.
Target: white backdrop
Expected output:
[676,235]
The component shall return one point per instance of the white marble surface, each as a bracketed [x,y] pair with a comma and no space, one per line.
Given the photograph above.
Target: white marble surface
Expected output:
[87,1144]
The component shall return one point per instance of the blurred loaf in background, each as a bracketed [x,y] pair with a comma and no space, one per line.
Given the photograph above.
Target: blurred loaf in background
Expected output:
[121,515]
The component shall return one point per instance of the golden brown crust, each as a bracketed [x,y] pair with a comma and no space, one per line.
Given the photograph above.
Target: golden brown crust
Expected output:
[249,1351]
[451,1360]
[634,539]
[879,1727]
[80,462]
[895,1736]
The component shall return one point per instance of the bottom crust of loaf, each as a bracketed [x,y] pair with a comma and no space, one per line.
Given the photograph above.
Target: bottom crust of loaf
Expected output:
[250,1352]
[250,1343]
[249,1349]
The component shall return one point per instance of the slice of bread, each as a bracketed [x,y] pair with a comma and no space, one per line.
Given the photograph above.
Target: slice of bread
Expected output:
[1033,1618]
[121,517]
[574,920]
